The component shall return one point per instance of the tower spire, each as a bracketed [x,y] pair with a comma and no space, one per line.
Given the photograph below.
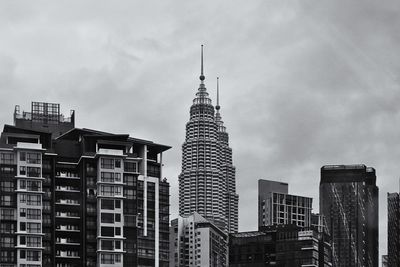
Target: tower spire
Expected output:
[217,107]
[202,77]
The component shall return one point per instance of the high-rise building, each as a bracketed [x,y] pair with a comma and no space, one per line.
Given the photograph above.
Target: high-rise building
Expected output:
[207,181]
[75,197]
[194,241]
[393,256]
[276,206]
[349,202]
[281,246]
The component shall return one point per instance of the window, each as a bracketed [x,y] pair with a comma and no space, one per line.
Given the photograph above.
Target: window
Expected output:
[32,200]
[118,217]
[34,214]
[33,255]
[22,240]
[22,184]
[109,190]
[22,170]
[6,200]
[108,258]
[34,241]
[117,163]
[33,158]
[117,244]
[7,228]
[22,156]
[34,185]
[107,217]
[6,158]
[7,186]
[22,254]
[107,177]
[107,204]
[118,231]
[33,172]
[22,212]
[107,231]
[34,228]
[129,179]
[129,193]
[22,226]
[7,214]
[130,166]
[107,163]
[7,242]
[107,245]
[117,204]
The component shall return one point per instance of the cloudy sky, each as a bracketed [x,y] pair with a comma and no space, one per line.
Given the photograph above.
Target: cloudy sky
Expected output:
[303,83]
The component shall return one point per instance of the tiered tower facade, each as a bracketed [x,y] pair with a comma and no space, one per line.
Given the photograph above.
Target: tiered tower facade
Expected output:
[207,181]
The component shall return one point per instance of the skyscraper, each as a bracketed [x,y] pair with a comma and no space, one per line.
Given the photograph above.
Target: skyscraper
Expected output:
[207,181]
[72,197]
[393,257]
[349,202]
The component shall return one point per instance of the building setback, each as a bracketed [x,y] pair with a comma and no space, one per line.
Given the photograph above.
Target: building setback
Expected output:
[281,246]
[276,206]
[197,242]
[393,257]
[207,181]
[349,202]
[78,197]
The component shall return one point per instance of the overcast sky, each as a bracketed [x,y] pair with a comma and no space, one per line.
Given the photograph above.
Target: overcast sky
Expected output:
[303,83]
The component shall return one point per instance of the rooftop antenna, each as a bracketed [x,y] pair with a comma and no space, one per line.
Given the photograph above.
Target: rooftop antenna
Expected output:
[202,77]
[217,107]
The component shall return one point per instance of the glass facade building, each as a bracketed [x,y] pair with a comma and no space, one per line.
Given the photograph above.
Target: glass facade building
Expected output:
[393,257]
[349,203]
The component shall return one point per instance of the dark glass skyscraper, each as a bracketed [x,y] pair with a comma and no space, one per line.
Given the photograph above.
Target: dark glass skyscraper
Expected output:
[349,202]
[393,257]
[207,181]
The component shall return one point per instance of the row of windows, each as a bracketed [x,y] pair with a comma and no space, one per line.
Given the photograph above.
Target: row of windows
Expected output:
[110,231]
[33,214]
[110,217]
[107,163]
[29,171]
[29,227]
[110,204]
[30,255]
[6,158]
[30,241]
[7,214]
[30,157]
[110,244]
[32,200]
[108,258]
[30,185]
[110,177]
[109,190]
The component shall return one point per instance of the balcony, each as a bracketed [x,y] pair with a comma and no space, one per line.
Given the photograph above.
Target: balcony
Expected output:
[72,202]
[67,189]
[67,254]
[67,175]
[67,241]
[68,215]
[68,228]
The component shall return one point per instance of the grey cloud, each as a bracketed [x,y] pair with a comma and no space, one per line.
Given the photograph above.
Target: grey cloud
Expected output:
[303,83]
